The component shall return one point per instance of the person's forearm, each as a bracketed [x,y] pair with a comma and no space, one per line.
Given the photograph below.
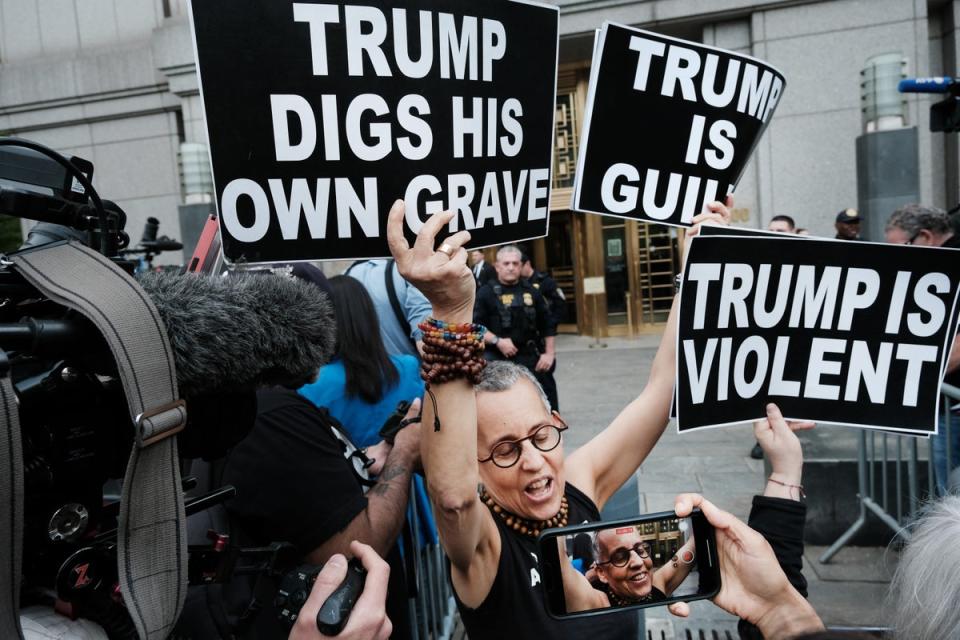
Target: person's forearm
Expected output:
[663,369]
[793,617]
[379,524]
[450,459]
[550,345]
[782,485]
[489,337]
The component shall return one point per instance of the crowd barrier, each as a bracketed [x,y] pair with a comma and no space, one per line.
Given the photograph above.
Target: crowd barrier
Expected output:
[432,609]
[889,485]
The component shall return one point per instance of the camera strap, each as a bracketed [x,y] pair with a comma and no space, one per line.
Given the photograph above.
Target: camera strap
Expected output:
[11,497]
[152,538]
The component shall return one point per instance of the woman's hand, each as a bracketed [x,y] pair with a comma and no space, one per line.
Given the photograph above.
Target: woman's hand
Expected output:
[717,213]
[782,448]
[753,586]
[442,275]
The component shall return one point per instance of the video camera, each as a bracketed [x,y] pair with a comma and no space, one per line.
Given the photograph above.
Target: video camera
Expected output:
[75,423]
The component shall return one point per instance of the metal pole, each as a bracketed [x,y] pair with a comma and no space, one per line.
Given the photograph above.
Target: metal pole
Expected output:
[596,327]
[912,475]
[899,479]
[948,436]
[883,469]
[861,497]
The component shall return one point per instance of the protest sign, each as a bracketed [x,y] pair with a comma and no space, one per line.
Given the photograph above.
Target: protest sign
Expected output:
[669,125]
[851,333]
[320,116]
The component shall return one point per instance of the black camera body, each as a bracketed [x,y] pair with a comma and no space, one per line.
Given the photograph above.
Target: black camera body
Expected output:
[334,612]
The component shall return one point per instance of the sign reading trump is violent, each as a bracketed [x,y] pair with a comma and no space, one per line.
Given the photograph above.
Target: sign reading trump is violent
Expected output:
[844,332]
[321,115]
[669,125]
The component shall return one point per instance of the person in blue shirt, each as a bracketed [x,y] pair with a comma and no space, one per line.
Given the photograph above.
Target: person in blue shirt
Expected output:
[363,384]
[399,305]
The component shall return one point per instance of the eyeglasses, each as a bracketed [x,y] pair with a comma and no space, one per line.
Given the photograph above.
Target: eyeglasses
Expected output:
[621,557]
[546,437]
[914,237]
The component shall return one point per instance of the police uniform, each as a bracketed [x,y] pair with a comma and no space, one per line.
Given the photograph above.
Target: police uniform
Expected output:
[519,312]
[552,295]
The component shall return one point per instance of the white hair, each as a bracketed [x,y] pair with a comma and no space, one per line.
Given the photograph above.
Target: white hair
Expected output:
[509,248]
[925,590]
[501,375]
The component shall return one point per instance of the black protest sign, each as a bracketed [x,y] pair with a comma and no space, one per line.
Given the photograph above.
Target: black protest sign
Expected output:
[669,125]
[320,116]
[851,333]
[726,230]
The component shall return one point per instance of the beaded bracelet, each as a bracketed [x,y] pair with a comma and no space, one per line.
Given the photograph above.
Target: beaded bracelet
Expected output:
[450,351]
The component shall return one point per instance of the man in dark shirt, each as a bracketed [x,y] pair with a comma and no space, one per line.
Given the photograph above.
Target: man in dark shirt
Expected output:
[295,484]
[930,227]
[519,325]
[483,272]
[547,286]
[848,225]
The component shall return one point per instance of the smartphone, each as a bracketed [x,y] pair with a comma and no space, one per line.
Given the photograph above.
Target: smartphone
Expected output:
[648,561]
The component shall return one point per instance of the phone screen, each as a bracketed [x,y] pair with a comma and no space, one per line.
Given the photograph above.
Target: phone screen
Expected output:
[644,562]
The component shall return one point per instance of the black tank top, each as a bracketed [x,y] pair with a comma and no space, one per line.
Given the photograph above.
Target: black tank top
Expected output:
[515,607]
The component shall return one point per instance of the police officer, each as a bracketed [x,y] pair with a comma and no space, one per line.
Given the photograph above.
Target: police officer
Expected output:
[519,326]
[547,286]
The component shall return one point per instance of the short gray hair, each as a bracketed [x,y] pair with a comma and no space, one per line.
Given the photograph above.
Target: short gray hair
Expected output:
[501,375]
[914,218]
[925,590]
[509,248]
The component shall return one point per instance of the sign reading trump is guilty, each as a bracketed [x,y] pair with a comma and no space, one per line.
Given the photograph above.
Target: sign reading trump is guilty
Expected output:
[852,333]
[321,115]
[669,125]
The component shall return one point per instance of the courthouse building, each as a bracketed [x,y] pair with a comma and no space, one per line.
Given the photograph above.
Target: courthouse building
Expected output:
[114,81]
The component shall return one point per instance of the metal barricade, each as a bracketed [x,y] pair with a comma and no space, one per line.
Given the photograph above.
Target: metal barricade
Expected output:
[433,610]
[882,490]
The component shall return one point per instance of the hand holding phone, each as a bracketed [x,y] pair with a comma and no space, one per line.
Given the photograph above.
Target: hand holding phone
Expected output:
[647,561]
[754,587]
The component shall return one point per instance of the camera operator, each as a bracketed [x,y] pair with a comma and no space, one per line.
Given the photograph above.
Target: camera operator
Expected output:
[294,484]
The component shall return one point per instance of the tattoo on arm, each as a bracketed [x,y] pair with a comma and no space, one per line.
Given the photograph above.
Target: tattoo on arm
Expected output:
[390,472]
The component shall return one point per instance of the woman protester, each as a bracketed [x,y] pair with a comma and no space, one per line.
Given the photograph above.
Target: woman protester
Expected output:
[363,384]
[493,427]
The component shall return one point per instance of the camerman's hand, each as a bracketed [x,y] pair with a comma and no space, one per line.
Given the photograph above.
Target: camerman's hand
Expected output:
[782,448]
[753,586]
[378,453]
[368,620]
[407,440]
[442,276]
[506,347]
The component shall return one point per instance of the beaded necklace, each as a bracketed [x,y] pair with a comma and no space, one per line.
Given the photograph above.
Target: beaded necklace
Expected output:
[523,526]
[617,601]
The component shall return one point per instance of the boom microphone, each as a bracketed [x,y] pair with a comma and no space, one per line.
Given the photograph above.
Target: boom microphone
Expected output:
[935,84]
[241,332]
